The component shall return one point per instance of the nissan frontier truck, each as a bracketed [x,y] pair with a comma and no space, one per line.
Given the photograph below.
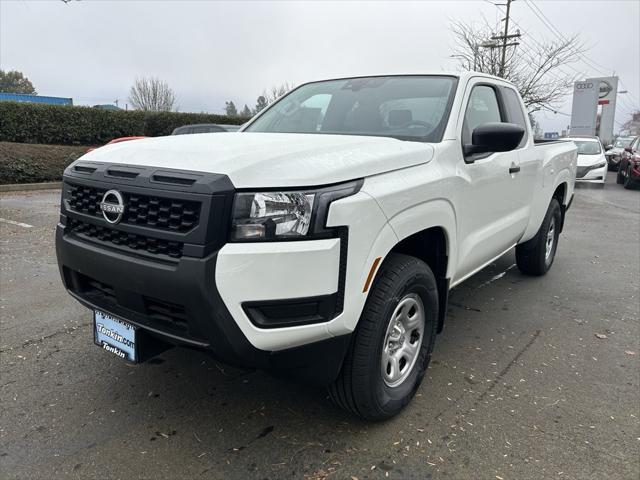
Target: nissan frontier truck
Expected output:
[321,241]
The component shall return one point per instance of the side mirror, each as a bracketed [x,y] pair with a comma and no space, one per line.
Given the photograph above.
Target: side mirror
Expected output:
[628,149]
[494,137]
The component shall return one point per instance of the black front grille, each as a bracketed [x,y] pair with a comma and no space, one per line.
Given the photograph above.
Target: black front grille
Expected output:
[166,312]
[161,213]
[582,171]
[158,313]
[132,241]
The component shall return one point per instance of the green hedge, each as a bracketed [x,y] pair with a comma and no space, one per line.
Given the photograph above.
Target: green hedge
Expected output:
[28,163]
[67,125]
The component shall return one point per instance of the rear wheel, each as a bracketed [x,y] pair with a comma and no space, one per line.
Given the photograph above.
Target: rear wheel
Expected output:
[392,344]
[536,256]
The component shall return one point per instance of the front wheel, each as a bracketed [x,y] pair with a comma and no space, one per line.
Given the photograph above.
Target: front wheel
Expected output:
[536,256]
[392,345]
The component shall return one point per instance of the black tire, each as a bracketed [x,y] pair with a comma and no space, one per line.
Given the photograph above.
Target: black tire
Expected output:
[531,256]
[360,387]
[619,177]
[628,181]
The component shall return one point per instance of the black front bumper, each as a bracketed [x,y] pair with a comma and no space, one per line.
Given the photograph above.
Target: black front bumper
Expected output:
[168,289]
[179,304]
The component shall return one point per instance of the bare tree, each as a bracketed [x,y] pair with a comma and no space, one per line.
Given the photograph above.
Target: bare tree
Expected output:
[535,71]
[152,94]
[276,91]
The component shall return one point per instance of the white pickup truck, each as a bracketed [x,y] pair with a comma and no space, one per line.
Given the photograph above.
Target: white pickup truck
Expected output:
[321,241]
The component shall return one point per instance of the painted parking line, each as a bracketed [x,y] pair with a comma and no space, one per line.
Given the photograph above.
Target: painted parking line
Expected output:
[13,222]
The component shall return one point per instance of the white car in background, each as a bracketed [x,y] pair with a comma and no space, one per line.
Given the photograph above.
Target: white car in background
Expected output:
[592,164]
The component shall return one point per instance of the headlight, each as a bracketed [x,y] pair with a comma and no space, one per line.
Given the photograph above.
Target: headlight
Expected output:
[285,215]
[599,165]
[264,215]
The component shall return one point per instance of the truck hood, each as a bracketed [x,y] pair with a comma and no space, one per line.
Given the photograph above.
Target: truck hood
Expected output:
[253,160]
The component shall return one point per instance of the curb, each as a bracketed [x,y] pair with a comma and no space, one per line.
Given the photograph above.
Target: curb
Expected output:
[19,187]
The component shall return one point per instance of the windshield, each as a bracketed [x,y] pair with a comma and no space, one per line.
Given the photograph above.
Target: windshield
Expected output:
[408,108]
[587,148]
[623,142]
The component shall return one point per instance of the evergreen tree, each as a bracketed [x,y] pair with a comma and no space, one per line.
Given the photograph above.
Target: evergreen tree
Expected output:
[230,109]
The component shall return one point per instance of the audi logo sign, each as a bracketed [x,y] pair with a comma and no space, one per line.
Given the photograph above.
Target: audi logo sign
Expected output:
[584,86]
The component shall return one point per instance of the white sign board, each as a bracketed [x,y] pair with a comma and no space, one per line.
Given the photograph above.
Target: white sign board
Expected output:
[584,107]
[607,93]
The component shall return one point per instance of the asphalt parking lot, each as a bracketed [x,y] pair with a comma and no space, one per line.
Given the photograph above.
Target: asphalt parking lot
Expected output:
[532,378]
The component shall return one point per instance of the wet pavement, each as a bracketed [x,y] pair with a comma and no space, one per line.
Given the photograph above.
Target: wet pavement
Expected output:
[532,378]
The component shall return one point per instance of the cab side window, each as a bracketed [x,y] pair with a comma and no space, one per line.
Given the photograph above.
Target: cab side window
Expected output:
[482,108]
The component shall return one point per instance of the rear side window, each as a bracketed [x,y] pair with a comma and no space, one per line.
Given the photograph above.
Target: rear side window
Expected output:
[514,111]
[482,108]
[181,131]
[206,129]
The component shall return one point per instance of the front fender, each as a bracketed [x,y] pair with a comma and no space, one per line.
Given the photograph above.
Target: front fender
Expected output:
[377,240]
[434,213]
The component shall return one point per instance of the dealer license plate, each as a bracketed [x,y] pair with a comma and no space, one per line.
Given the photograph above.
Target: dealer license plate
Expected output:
[115,336]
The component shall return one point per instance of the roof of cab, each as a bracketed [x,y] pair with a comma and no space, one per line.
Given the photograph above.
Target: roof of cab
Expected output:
[462,75]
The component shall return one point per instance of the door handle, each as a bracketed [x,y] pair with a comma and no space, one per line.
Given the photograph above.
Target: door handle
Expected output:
[514,168]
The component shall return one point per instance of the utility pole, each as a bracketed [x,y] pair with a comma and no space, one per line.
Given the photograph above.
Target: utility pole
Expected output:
[505,37]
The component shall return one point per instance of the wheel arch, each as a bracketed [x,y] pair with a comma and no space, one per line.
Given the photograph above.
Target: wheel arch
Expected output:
[560,194]
[431,245]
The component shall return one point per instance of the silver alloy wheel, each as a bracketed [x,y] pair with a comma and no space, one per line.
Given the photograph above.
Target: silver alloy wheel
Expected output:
[551,237]
[402,342]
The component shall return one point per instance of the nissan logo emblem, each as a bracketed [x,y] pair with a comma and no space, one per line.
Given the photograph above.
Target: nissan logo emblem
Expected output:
[112,206]
[605,89]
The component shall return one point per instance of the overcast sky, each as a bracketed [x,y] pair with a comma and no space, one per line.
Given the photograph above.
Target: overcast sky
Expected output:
[212,51]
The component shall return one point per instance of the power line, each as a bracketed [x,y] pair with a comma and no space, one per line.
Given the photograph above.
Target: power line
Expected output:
[575,51]
[553,29]
[587,60]
[539,45]
[629,92]
[626,103]
[556,111]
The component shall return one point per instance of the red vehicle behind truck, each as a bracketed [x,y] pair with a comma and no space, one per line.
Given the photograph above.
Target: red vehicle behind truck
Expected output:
[629,168]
